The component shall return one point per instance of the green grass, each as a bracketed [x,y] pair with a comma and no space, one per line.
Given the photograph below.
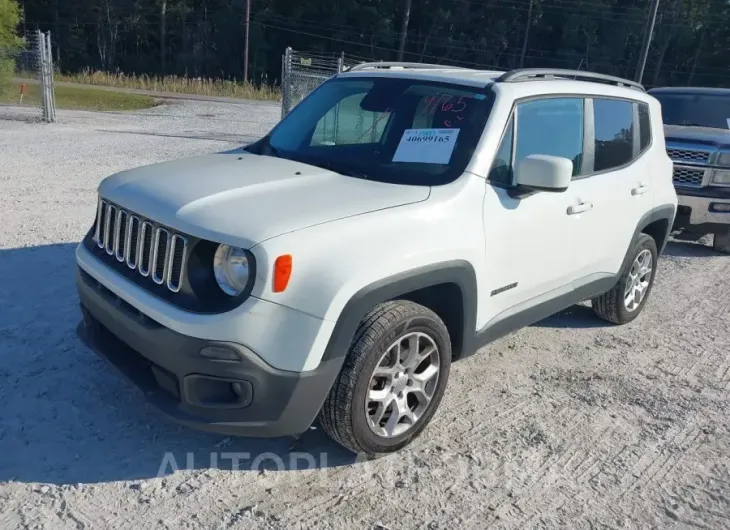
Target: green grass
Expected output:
[176,84]
[82,98]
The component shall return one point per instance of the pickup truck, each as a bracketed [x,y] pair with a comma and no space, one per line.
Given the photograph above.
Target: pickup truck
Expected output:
[697,132]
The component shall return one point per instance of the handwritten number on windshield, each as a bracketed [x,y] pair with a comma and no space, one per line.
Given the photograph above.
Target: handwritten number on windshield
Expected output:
[447,103]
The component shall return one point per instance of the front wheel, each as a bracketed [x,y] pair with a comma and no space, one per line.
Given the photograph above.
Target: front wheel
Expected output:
[627,298]
[392,381]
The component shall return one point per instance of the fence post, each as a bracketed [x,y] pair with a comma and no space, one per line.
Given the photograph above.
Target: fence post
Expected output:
[51,89]
[286,83]
[283,84]
[341,63]
[41,50]
[45,75]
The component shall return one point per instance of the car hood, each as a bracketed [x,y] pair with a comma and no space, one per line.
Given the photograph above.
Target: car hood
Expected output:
[242,199]
[703,135]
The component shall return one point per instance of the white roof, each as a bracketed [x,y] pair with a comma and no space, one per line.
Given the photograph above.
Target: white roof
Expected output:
[482,78]
[462,76]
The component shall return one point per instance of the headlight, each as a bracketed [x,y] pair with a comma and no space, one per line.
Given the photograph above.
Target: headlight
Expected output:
[724,159]
[231,269]
[721,178]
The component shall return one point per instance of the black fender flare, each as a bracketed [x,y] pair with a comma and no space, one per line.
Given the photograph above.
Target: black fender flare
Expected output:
[664,212]
[458,272]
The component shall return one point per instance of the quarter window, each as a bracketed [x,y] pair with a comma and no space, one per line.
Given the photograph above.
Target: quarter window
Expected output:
[644,126]
[614,133]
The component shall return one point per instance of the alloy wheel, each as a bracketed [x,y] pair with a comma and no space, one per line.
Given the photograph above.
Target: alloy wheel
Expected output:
[637,283]
[402,384]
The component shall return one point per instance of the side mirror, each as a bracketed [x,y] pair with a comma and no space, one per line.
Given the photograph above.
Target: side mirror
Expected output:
[544,173]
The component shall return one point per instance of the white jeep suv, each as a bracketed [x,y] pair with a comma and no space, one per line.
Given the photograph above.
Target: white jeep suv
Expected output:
[398,219]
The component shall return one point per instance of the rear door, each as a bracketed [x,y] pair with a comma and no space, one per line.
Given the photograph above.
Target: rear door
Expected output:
[616,187]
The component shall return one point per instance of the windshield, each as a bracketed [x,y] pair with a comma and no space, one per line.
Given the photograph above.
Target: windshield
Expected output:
[703,110]
[401,131]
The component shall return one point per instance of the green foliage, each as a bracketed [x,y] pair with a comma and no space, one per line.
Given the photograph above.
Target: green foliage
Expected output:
[9,20]
[7,67]
[83,98]
[204,38]
[9,41]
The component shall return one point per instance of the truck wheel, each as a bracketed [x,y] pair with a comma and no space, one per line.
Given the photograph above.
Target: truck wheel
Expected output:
[721,243]
[392,381]
[627,298]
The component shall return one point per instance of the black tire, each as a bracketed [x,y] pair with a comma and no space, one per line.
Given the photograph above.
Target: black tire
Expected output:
[343,416]
[721,243]
[610,306]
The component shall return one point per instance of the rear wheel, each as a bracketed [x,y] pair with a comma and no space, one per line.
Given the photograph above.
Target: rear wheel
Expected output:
[721,242]
[392,381]
[627,298]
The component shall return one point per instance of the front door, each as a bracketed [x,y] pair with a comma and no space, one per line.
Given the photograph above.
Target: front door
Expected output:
[536,244]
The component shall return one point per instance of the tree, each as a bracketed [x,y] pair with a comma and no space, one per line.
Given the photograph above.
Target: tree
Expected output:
[9,41]
[205,37]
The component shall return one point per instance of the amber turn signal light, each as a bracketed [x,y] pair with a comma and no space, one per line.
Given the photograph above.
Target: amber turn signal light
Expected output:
[282,272]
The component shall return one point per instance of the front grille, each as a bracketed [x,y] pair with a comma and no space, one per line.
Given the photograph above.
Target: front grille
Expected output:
[684,176]
[689,155]
[149,249]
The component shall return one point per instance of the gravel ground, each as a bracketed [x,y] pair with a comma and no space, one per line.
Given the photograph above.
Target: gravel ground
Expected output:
[568,423]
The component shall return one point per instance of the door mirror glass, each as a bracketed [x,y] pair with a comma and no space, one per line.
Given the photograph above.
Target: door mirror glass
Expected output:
[544,173]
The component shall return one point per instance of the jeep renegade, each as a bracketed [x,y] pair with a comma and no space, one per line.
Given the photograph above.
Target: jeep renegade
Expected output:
[397,219]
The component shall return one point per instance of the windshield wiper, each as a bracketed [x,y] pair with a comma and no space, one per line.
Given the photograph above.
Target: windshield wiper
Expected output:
[337,168]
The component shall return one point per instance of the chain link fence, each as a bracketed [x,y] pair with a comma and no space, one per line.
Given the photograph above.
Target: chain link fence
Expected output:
[302,72]
[26,80]
[347,122]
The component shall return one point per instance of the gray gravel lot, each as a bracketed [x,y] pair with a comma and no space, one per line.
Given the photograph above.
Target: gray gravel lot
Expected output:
[568,423]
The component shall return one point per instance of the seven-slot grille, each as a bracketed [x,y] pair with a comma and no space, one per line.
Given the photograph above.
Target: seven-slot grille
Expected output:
[151,250]
[689,155]
[684,176]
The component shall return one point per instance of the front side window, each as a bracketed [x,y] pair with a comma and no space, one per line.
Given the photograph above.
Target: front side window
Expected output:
[552,126]
[501,172]
[388,129]
[613,122]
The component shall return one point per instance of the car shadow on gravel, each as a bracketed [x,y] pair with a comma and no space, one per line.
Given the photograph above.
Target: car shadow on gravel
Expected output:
[576,316]
[582,315]
[689,249]
[67,417]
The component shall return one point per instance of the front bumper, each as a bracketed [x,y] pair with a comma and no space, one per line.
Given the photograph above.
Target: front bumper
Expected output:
[696,210]
[246,397]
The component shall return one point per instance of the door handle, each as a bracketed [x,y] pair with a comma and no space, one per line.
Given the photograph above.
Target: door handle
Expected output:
[580,208]
[639,190]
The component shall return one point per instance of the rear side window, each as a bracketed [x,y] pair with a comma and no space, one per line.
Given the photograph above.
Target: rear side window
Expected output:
[614,133]
[644,126]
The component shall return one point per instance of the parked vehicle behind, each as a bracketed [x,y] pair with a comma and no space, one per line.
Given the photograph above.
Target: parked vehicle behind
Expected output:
[697,131]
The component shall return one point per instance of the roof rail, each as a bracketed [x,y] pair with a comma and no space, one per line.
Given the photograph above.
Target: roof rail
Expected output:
[533,74]
[398,64]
